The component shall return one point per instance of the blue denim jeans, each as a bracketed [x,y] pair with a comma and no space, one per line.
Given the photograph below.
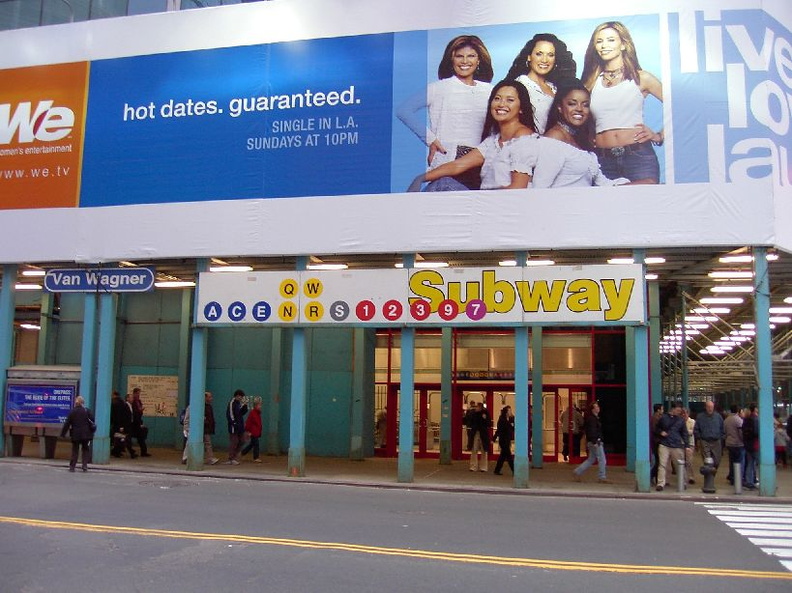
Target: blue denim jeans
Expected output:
[446,184]
[634,161]
[750,467]
[596,454]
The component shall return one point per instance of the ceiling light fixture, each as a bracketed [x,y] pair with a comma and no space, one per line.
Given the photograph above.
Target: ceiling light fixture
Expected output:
[327,267]
[230,269]
[174,284]
[734,288]
[722,301]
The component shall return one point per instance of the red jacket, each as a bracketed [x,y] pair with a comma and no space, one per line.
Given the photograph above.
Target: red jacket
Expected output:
[253,423]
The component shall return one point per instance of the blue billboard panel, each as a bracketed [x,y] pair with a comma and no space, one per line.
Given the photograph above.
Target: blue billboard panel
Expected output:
[291,119]
[731,85]
[39,403]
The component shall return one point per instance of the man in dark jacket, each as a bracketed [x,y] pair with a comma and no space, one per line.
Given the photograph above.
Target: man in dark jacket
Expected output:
[673,438]
[709,433]
[121,426]
[596,447]
[750,433]
[480,424]
[235,415]
[80,425]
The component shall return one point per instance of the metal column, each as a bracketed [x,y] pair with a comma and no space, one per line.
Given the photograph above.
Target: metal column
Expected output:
[105,364]
[299,395]
[446,395]
[6,336]
[406,461]
[764,366]
[88,354]
[195,436]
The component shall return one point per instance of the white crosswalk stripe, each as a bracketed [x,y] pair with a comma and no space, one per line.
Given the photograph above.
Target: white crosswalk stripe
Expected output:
[767,526]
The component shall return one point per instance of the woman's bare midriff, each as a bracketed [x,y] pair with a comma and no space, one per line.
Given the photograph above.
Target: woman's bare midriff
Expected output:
[613,138]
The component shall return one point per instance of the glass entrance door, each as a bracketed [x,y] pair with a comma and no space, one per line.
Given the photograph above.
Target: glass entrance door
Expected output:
[563,404]
[425,419]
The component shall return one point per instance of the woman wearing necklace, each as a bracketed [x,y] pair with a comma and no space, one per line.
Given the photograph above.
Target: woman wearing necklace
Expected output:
[542,64]
[565,152]
[456,103]
[507,153]
[618,87]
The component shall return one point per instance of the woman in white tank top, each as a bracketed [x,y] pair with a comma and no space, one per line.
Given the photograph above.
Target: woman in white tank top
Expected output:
[618,88]
[543,64]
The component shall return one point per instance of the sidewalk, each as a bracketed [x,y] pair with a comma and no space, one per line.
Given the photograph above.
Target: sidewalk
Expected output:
[554,479]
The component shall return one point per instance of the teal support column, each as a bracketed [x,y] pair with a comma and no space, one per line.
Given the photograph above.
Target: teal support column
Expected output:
[521,415]
[406,406]
[446,387]
[88,352]
[359,421]
[299,396]
[182,398]
[406,461]
[638,412]
[685,395]
[198,346]
[764,366]
[273,408]
[43,352]
[105,364]
[6,336]
[537,382]
[655,367]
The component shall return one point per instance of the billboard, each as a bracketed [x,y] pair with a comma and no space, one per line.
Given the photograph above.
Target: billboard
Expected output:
[38,403]
[243,138]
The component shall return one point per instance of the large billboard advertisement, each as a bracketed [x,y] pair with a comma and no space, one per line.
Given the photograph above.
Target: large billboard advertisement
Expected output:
[695,101]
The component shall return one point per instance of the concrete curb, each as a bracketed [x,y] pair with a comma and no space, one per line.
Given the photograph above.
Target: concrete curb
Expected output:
[450,488]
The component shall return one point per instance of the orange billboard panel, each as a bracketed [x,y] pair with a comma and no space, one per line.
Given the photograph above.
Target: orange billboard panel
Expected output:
[42,123]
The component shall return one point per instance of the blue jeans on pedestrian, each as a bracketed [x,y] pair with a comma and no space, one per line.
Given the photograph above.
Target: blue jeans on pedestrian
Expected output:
[736,455]
[634,161]
[749,479]
[253,444]
[596,454]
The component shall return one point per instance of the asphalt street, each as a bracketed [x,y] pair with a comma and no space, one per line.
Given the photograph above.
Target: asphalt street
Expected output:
[117,531]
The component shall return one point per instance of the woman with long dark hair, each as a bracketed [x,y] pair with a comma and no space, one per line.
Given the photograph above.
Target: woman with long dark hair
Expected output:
[618,87]
[565,154]
[542,65]
[456,103]
[507,153]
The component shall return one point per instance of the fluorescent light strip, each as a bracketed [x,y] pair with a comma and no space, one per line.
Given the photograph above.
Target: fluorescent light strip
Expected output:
[230,269]
[30,326]
[174,284]
[744,259]
[630,260]
[425,264]
[327,267]
[34,273]
[713,310]
[21,286]
[722,301]
[732,289]
[781,310]
[727,274]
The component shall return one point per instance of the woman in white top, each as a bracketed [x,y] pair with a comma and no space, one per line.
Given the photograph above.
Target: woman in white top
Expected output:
[618,88]
[542,64]
[565,152]
[457,103]
[507,153]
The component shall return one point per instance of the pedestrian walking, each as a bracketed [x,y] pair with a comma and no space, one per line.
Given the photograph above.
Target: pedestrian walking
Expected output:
[594,442]
[80,425]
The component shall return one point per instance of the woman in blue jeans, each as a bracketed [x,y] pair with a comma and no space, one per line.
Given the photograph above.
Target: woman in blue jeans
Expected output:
[618,87]
[596,448]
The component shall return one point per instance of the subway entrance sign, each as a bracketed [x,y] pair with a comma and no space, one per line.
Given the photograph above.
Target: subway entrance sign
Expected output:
[100,280]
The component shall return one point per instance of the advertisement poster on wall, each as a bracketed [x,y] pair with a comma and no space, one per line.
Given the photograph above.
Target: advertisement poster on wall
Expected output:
[672,98]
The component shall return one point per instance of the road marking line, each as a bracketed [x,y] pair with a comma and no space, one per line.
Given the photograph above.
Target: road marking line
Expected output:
[421,554]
